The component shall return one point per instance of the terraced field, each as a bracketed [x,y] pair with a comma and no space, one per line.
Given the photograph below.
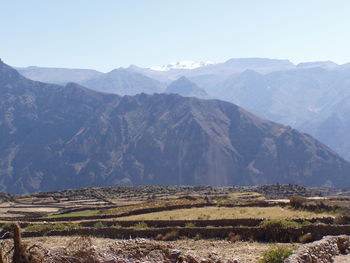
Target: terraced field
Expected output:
[179,216]
[215,212]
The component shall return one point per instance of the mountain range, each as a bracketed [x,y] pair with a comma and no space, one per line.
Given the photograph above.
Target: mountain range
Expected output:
[57,137]
[311,97]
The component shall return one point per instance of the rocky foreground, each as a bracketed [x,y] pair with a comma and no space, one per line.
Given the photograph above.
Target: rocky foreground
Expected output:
[85,249]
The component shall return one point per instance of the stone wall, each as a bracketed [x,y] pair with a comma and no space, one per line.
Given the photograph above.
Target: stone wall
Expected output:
[322,251]
[280,234]
[201,223]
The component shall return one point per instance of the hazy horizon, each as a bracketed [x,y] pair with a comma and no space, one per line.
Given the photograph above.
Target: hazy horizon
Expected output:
[215,62]
[112,34]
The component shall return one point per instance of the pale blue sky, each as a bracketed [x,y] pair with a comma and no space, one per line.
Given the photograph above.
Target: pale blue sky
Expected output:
[106,34]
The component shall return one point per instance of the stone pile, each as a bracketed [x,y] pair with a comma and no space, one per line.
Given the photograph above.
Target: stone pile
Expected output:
[322,251]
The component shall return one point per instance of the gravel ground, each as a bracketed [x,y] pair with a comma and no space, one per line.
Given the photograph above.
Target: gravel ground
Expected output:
[156,251]
[246,252]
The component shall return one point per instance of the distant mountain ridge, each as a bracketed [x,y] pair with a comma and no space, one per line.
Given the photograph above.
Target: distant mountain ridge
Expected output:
[182,65]
[308,96]
[58,75]
[58,137]
[186,88]
[123,82]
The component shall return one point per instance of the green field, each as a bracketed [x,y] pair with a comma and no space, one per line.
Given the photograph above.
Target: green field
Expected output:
[74,214]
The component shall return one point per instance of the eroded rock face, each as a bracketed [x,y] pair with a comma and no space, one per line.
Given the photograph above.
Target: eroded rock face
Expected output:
[55,137]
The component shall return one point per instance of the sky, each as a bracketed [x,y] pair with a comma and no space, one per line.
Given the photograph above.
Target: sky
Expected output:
[107,34]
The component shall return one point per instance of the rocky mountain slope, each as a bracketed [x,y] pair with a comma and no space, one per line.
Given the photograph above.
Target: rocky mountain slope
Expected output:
[310,99]
[59,137]
[124,82]
[308,96]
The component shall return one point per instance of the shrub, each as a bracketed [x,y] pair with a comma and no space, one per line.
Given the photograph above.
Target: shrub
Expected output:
[190,224]
[234,237]
[275,223]
[297,201]
[171,236]
[77,250]
[48,227]
[7,226]
[198,237]
[159,237]
[305,223]
[342,219]
[140,225]
[276,254]
[306,238]
[99,225]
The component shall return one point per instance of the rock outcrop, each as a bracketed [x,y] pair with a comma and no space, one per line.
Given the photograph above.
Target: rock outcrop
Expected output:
[322,251]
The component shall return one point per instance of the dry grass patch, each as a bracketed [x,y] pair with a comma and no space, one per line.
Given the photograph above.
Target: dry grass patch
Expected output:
[153,204]
[226,213]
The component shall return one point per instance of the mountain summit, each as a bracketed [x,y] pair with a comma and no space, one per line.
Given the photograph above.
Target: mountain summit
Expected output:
[123,82]
[184,87]
[186,64]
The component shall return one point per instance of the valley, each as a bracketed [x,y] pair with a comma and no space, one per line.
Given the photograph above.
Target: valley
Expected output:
[148,131]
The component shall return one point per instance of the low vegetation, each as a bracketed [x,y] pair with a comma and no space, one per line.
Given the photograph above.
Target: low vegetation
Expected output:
[247,196]
[276,254]
[99,225]
[76,214]
[50,227]
[274,223]
[140,225]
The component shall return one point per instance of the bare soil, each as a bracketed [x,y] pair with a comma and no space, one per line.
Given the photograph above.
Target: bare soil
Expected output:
[227,213]
[342,259]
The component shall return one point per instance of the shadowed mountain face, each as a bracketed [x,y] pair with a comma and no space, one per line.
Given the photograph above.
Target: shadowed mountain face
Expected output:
[308,96]
[333,126]
[312,99]
[55,137]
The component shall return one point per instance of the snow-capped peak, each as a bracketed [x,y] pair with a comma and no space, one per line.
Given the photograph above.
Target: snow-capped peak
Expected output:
[185,64]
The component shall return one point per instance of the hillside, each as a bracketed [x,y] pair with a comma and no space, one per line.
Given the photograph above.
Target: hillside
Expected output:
[123,82]
[59,137]
[58,75]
